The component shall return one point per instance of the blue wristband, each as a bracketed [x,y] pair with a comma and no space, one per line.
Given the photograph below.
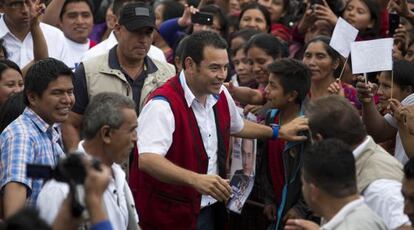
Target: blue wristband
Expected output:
[275,129]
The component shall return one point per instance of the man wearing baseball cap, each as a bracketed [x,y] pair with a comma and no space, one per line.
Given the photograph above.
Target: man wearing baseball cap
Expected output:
[125,69]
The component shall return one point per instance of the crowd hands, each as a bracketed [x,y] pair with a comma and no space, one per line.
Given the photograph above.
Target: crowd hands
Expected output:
[269,44]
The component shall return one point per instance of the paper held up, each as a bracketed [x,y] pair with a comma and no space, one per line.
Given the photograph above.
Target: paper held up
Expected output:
[371,56]
[342,37]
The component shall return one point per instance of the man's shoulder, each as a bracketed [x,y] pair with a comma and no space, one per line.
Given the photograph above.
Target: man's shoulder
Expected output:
[20,126]
[49,30]
[364,218]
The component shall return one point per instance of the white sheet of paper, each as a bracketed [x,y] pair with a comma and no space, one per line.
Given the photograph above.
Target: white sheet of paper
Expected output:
[372,56]
[342,37]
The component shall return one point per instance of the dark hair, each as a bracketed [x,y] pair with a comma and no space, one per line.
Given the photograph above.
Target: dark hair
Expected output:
[11,109]
[267,42]
[245,34]
[25,219]
[330,165]
[7,64]
[265,12]
[333,54]
[375,11]
[41,74]
[293,76]
[196,43]
[403,71]
[335,117]
[66,2]
[409,169]
[6,55]
[172,9]
[179,50]
[217,12]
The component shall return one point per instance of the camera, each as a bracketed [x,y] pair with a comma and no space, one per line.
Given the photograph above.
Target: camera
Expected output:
[70,170]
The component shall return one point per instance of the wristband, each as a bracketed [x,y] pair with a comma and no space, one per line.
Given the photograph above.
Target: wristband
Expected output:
[275,129]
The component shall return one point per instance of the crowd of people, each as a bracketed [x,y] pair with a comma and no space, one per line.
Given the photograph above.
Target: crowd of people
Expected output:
[153,97]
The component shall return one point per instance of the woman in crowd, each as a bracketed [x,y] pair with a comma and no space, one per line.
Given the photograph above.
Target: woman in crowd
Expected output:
[11,80]
[325,65]
[256,17]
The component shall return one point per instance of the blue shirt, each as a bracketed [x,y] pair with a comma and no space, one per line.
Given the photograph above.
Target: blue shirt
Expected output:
[28,139]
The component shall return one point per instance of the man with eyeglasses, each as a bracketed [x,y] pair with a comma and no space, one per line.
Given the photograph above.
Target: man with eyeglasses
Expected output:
[18,25]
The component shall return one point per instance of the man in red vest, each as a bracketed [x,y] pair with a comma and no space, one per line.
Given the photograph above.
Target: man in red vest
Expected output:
[183,141]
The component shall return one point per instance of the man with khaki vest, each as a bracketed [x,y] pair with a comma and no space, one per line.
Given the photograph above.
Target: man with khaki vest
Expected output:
[125,69]
[379,175]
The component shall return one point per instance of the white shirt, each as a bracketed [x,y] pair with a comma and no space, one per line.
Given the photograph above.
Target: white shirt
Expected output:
[53,194]
[340,216]
[156,127]
[154,52]
[384,197]
[399,149]
[75,52]
[21,52]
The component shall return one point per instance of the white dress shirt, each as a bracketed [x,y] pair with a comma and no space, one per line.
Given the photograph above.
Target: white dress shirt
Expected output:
[384,197]
[53,194]
[156,127]
[21,52]
[154,52]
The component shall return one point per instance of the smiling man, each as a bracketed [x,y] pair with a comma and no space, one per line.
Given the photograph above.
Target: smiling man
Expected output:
[76,22]
[184,133]
[33,137]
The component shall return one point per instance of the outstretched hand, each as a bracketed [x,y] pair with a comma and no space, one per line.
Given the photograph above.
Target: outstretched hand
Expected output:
[213,185]
[37,8]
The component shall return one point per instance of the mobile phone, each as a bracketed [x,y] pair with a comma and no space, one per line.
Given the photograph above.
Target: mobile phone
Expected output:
[393,22]
[202,18]
[319,2]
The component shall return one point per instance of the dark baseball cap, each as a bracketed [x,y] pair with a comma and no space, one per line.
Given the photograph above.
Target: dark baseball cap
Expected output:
[137,15]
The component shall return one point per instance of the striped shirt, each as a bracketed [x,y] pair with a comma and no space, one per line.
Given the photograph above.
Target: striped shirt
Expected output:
[28,139]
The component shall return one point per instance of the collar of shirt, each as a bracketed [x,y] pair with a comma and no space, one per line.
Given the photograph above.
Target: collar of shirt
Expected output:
[113,62]
[4,30]
[78,46]
[358,150]
[42,125]
[340,216]
[189,96]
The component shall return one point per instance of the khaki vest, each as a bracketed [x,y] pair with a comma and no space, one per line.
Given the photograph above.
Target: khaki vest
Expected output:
[375,163]
[101,78]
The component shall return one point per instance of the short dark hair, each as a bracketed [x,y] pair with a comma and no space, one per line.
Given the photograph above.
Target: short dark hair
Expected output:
[403,74]
[267,42]
[196,43]
[172,9]
[245,34]
[265,12]
[335,117]
[25,219]
[41,73]
[105,109]
[409,169]
[293,76]
[66,2]
[330,165]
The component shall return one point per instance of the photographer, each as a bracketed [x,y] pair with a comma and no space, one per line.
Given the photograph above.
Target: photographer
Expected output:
[109,128]
[95,185]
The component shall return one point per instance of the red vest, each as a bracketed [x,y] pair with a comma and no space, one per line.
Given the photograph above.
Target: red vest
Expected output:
[167,206]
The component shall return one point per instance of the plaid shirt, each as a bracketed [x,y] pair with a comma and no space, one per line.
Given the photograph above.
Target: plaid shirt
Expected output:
[28,139]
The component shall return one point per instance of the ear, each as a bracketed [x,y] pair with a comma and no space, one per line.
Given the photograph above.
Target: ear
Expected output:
[335,64]
[117,28]
[409,90]
[32,98]
[314,192]
[318,137]
[189,64]
[292,96]
[106,134]
[371,24]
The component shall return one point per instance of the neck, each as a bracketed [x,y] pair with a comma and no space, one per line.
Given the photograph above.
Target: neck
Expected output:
[334,205]
[95,148]
[20,31]
[132,67]
[199,95]
[289,113]
[320,88]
